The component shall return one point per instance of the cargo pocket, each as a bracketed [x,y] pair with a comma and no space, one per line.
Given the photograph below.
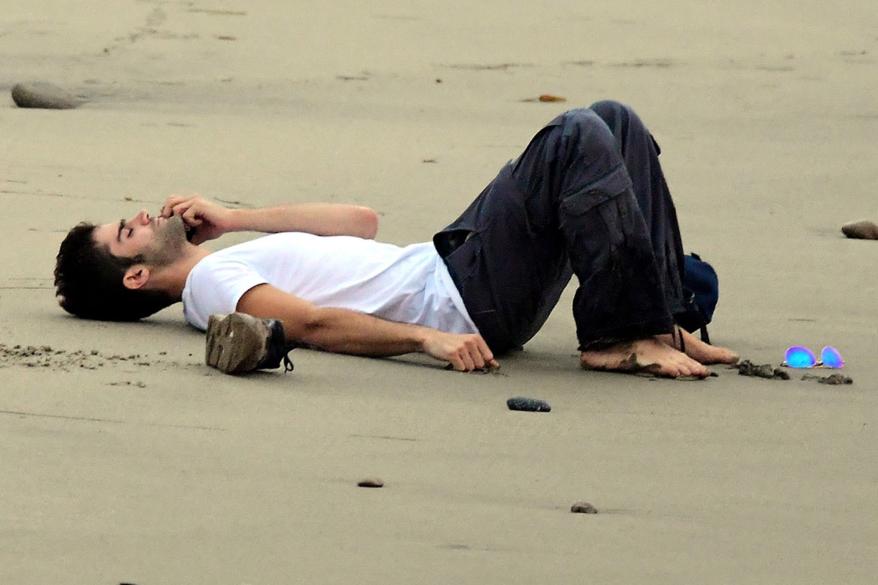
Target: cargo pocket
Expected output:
[581,199]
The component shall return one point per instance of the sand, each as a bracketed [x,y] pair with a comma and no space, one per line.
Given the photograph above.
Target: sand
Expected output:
[126,460]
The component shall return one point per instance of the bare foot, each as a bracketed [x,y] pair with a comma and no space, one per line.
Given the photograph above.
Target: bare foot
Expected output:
[862,230]
[649,355]
[698,350]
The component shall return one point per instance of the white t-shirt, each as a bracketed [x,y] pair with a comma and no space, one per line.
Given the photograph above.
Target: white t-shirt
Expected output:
[407,285]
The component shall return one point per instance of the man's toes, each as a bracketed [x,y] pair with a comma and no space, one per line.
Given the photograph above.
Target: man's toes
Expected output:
[699,370]
[693,368]
[685,370]
[730,357]
[660,368]
[677,366]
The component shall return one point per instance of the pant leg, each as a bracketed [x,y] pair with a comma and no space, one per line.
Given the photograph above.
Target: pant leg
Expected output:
[509,272]
[621,294]
[565,204]
[640,154]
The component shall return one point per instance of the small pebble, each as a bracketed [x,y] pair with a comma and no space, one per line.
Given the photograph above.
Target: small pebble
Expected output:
[583,508]
[44,95]
[528,404]
[370,482]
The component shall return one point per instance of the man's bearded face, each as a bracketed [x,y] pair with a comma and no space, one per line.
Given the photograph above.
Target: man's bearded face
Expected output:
[168,241]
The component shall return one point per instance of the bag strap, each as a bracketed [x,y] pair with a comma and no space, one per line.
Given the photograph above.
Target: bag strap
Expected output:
[704,336]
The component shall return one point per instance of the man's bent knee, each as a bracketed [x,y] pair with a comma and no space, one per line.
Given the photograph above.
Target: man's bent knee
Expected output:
[587,134]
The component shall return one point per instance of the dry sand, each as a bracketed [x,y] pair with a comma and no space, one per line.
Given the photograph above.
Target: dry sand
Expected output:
[154,469]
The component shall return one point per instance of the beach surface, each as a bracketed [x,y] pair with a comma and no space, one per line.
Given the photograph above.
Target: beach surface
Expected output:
[125,459]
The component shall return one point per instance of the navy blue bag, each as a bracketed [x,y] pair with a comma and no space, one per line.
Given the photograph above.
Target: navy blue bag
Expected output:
[700,295]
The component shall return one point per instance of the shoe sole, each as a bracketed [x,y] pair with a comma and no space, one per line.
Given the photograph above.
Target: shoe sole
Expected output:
[235,343]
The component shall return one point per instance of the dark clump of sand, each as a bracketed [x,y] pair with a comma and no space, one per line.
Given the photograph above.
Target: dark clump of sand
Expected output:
[832,379]
[748,368]
[46,356]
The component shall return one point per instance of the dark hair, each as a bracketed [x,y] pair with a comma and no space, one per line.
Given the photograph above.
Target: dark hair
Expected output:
[88,281]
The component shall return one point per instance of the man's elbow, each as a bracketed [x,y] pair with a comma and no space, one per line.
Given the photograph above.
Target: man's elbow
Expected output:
[311,327]
[367,220]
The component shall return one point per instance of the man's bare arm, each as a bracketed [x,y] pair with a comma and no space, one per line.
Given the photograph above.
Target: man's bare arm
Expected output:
[211,220]
[345,331]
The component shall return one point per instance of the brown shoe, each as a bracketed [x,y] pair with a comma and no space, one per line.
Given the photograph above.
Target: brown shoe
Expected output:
[238,343]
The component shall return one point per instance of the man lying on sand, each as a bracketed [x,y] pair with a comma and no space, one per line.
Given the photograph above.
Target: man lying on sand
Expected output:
[586,197]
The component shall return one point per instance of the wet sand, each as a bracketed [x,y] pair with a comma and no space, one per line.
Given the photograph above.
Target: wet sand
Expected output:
[126,460]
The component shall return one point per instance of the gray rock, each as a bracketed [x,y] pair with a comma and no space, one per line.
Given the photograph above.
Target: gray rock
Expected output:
[370,482]
[583,508]
[528,404]
[44,95]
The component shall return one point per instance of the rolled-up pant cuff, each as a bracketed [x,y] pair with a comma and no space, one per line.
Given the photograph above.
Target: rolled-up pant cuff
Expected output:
[598,340]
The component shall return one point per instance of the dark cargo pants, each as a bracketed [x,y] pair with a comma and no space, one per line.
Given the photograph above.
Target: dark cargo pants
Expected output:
[586,197]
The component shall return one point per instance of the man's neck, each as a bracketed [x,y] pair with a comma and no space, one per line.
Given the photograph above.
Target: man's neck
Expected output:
[172,278]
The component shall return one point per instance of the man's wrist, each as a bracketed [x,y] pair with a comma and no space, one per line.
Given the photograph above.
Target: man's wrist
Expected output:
[421,336]
[237,221]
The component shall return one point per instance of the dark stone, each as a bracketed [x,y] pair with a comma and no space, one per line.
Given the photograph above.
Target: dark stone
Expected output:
[583,508]
[370,482]
[861,230]
[43,95]
[528,404]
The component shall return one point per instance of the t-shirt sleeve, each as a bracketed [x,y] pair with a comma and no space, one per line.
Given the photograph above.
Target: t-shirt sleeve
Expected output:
[216,287]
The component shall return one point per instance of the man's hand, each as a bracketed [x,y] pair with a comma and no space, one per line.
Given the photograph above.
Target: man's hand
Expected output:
[210,220]
[465,353]
[207,220]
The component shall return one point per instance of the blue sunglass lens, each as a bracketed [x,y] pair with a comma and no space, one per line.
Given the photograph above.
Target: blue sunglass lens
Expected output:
[800,357]
[831,358]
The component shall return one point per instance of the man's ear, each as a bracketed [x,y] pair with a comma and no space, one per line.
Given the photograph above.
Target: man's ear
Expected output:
[136,277]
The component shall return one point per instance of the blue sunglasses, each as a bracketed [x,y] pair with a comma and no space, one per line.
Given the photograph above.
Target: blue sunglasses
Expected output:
[799,356]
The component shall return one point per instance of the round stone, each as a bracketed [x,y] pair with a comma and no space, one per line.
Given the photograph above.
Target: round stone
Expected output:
[862,230]
[44,95]
[370,482]
[528,404]
[583,508]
